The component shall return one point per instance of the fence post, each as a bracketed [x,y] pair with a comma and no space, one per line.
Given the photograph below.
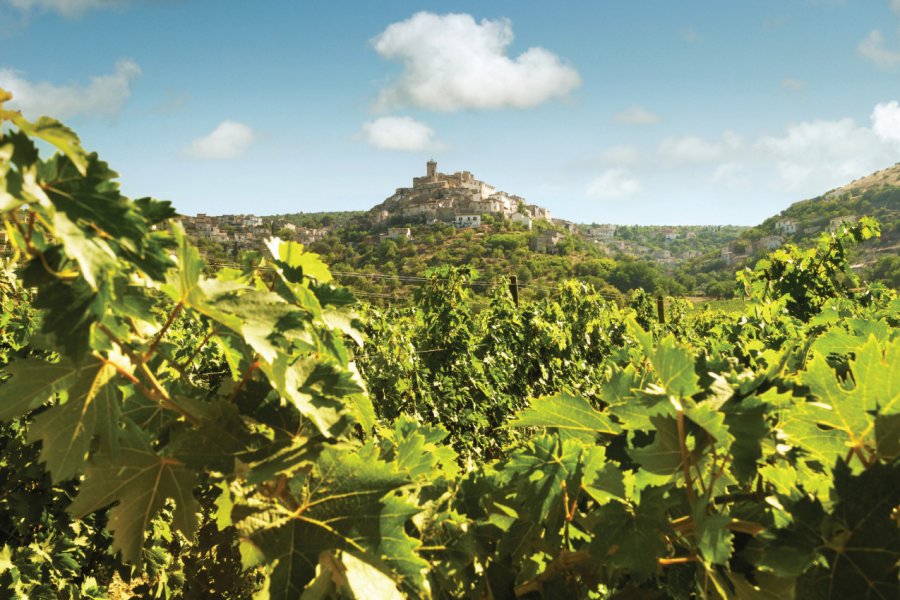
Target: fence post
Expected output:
[514,289]
[661,310]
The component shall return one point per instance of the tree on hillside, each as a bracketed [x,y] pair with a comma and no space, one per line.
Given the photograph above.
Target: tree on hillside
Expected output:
[632,274]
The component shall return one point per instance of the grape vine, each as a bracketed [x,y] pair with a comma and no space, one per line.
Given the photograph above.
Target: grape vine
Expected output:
[171,430]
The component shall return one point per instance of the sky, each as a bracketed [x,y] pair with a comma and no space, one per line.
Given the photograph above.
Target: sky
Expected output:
[640,112]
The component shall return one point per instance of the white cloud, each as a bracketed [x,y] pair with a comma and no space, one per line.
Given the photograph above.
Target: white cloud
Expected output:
[731,176]
[694,150]
[793,85]
[886,120]
[803,160]
[621,156]
[399,133]
[451,62]
[229,140]
[104,96]
[873,49]
[817,155]
[895,5]
[614,184]
[636,115]
[66,8]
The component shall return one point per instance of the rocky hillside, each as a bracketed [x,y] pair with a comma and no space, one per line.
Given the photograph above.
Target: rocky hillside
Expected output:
[876,195]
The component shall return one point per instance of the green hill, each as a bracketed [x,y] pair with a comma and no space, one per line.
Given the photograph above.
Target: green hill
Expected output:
[876,195]
[374,264]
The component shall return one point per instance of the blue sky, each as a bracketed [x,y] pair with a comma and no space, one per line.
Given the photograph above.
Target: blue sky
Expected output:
[646,112]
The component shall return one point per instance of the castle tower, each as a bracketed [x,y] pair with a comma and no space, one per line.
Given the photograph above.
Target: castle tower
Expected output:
[431,169]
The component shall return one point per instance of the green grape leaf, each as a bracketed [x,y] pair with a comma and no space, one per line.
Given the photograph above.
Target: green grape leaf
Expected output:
[93,255]
[782,476]
[538,471]
[887,436]
[352,506]
[710,420]
[292,255]
[570,414]
[69,307]
[765,586]
[663,455]
[603,480]
[621,385]
[300,383]
[140,481]
[345,321]
[33,383]
[55,133]
[66,430]
[714,540]
[632,538]
[747,422]
[843,417]
[674,365]
[365,581]
[836,341]
[419,451]
[215,442]
[183,282]
[858,541]
[264,465]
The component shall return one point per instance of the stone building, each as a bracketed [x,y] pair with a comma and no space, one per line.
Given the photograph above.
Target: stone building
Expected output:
[546,241]
[786,226]
[463,221]
[399,233]
[442,197]
[770,242]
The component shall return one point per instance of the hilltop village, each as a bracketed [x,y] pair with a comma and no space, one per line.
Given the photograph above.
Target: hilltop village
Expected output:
[458,198]
[462,202]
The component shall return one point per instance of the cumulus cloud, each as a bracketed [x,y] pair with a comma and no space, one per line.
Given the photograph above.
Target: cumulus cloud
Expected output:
[636,115]
[621,156]
[873,49]
[399,133]
[886,120]
[816,155]
[614,184]
[451,62]
[731,176]
[66,8]
[104,96]
[691,149]
[804,159]
[229,140]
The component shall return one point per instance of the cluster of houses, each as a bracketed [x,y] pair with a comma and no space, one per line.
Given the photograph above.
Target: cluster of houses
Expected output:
[784,227]
[245,232]
[605,235]
[457,198]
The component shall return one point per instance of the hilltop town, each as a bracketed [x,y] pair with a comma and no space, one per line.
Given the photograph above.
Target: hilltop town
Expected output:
[461,202]
[458,219]
[458,198]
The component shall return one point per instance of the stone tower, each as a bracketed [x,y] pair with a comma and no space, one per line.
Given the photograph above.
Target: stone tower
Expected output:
[432,169]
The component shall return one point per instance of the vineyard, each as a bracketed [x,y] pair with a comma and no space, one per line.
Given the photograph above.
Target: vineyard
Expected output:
[177,432]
